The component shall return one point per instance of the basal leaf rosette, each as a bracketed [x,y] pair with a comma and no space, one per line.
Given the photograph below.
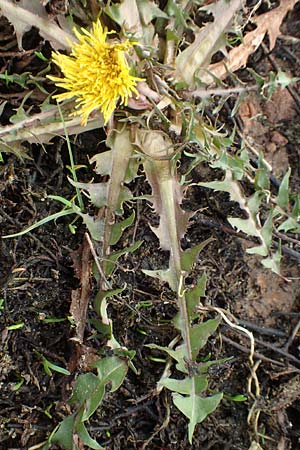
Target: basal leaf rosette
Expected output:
[96,73]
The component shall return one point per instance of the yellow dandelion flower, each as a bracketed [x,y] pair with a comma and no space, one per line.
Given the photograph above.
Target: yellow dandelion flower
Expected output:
[96,73]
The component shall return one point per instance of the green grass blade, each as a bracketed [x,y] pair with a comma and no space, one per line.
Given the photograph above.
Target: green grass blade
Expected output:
[47,219]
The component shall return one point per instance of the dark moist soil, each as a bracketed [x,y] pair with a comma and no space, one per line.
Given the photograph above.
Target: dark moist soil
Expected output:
[37,279]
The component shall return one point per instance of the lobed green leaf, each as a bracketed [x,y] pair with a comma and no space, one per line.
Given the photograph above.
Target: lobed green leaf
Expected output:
[196,408]
[185,386]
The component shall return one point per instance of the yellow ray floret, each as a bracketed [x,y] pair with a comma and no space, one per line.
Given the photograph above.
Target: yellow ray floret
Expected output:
[96,73]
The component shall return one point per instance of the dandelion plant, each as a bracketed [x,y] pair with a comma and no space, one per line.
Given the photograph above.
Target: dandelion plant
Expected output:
[104,70]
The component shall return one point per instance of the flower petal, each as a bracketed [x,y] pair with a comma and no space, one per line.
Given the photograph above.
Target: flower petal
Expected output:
[96,73]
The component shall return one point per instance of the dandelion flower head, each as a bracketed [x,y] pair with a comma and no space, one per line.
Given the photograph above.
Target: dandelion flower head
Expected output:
[96,72]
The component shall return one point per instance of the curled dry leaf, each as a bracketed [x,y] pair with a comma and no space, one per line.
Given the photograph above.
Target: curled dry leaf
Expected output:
[135,17]
[145,93]
[155,144]
[126,14]
[267,23]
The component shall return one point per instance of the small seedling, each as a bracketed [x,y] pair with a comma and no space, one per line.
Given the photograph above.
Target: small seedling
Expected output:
[16,326]
[49,366]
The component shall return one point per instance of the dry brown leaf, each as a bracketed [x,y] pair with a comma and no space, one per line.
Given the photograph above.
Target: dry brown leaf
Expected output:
[20,26]
[129,12]
[282,444]
[28,13]
[266,23]
[247,111]
[80,297]
[167,193]
[42,127]
[207,41]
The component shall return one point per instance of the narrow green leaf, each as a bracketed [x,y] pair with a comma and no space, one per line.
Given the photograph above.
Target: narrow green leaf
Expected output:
[296,207]
[177,354]
[119,227]
[192,297]
[189,257]
[200,333]
[47,219]
[101,299]
[56,368]
[262,179]
[113,257]
[282,199]
[86,438]
[53,319]
[237,398]
[267,229]
[62,200]
[185,386]
[46,367]
[41,56]
[64,435]
[16,326]
[17,385]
